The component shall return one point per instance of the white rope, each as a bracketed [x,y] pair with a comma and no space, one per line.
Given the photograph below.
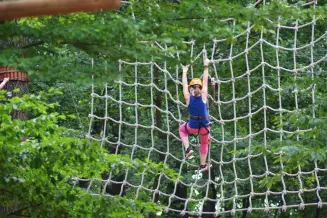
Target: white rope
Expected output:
[228,137]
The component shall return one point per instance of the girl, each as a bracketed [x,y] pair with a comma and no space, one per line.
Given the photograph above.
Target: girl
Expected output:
[195,95]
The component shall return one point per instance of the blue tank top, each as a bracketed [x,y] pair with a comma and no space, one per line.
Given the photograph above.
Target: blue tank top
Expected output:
[197,107]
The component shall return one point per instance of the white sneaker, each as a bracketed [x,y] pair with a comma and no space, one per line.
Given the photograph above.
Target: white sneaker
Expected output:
[203,168]
[188,153]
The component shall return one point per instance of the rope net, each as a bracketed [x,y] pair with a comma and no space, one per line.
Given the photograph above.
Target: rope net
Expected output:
[266,87]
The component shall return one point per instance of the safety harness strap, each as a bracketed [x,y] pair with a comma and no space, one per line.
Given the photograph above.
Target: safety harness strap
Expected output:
[208,131]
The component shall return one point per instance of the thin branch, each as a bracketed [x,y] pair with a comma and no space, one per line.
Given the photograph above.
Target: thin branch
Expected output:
[34,44]
[16,213]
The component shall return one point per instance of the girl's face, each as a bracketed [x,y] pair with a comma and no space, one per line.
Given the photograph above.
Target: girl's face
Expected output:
[192,88]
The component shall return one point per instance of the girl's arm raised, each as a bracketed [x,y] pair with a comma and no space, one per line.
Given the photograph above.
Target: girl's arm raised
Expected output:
[205,79]
[186,93]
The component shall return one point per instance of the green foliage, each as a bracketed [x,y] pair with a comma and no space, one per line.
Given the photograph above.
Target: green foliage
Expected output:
[37,173]
[59,49]
[63,46]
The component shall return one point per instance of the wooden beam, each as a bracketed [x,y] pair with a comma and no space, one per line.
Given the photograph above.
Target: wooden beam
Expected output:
[29,8]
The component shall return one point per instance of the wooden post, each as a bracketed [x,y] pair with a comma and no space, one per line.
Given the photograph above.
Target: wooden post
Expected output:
[28,8]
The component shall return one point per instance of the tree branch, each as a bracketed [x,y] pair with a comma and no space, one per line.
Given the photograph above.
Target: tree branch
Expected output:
[62,43]
[16,213]
[34,44]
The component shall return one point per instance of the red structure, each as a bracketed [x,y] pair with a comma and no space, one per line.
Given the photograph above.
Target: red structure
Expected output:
[13,74]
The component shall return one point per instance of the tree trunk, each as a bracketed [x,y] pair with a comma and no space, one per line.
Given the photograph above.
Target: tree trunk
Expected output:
[246,204]
[23,87]
[210,206]
[161,136]
[318,210]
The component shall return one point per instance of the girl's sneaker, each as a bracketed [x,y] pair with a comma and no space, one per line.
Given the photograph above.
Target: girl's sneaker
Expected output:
[188,153]
[203,168]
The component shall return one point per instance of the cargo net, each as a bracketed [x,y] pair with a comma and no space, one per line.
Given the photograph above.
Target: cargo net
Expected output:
[263,113]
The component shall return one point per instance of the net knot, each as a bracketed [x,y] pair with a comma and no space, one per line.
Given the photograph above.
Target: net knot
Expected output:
[268,192]
[284,208]
[301,206]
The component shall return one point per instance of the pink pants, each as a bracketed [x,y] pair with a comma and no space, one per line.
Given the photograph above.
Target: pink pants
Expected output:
[204,136]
